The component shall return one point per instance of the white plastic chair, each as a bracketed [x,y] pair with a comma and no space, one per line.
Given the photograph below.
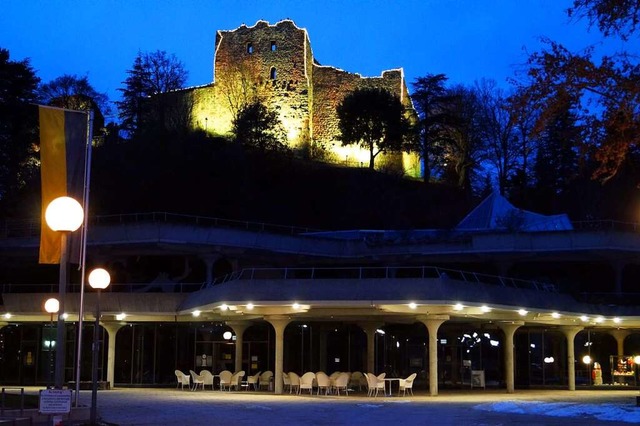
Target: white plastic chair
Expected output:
[236,379]
[374,384]
[323,382]
[253,380]
[225,379]
[183,379]
[407,384]
[341,382]
[207,376]
[197,380]
[294,381]
[286,382]
[265,379]
[306,382]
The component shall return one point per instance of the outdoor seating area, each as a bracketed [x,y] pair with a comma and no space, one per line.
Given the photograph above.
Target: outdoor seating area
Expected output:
[338,383]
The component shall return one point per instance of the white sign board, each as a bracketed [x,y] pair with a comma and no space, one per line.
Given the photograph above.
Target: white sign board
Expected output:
[55,401]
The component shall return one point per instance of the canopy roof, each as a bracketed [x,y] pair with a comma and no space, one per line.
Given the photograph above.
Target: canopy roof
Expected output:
[495,213]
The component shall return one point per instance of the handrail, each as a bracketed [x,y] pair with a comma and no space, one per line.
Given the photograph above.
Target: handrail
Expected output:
[16,228]
[312,273]
[382,272]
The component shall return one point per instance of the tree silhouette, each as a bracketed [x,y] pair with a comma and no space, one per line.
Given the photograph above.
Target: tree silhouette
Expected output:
[373,119]
[259,128]
[18,123]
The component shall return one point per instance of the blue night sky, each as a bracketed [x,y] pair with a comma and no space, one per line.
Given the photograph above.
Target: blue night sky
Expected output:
[465,39]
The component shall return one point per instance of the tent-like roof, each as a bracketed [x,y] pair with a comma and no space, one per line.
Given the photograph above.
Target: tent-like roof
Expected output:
[495,212]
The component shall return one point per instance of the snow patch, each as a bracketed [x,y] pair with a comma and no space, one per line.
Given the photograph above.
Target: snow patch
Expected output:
[611,412]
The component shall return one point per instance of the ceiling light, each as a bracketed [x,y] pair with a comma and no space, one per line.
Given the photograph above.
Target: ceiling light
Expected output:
[121,316]
[584,318]
[458,307]
[7,315]
[485,309]
[224,307]
[296,306]
[196,313]
[555,315]
[522,312]
[412,305]
[599,319]
[617,320]
[249,306]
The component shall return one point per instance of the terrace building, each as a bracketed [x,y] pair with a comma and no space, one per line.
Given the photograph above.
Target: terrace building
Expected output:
[520,297]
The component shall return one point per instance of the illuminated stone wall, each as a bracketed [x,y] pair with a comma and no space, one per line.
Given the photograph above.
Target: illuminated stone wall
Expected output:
[275,64]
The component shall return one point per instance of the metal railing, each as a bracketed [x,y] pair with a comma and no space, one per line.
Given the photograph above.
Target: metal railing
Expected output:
[20,228]
[323,273]
[113,288]
[391,273]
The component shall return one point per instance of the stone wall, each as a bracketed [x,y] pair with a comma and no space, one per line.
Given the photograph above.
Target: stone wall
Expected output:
[275,64]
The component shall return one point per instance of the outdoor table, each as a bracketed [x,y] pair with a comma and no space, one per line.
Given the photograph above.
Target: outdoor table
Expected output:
[389,380]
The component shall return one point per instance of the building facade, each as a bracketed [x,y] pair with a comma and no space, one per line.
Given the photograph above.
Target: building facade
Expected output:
[275,64]
[538,306]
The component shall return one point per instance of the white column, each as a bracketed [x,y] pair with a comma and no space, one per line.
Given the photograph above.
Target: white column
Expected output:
[620,335]
[509,330]
[370,330]
[570,333]
[112,331]
[279,323]
[433,323]
[238,328]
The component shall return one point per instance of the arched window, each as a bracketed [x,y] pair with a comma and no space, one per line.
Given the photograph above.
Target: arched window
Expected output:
[273,73]
[249,48]
[274,46]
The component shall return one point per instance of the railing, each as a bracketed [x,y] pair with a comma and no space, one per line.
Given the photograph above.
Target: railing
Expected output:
[17,228]
[364,273]
[113,287]
[324,273]
[20,228]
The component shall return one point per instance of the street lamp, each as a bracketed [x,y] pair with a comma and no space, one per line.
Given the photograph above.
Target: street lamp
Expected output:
[99,279]
[51,306]
[63,215]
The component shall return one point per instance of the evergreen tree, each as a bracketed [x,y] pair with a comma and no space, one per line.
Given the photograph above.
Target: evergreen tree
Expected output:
[152,74]
[18,123]
[556,162]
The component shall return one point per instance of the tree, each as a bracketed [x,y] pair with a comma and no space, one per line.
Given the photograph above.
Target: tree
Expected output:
[429,98]
[556,163]
[259,128]
[606,93]
[373,119]
[73,92]
[18,123]
[497,127]
[152,74]
[464,149]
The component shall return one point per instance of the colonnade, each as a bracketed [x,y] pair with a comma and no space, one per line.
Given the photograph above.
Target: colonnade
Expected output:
[432,323]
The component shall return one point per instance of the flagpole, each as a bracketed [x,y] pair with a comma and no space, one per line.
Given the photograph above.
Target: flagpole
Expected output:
[83,248]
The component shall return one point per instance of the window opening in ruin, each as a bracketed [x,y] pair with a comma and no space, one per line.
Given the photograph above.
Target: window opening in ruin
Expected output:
[274,46]
[249,48]
[272,74]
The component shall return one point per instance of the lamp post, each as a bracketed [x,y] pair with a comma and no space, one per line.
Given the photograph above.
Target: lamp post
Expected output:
[51,306]
[63,215]
[99,279]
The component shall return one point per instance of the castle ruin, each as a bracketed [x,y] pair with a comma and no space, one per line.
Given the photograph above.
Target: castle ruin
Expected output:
[275,64]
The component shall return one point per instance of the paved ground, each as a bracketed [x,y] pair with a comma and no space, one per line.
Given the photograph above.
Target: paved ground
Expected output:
[479,407]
